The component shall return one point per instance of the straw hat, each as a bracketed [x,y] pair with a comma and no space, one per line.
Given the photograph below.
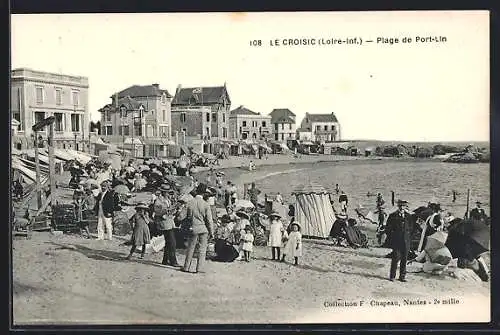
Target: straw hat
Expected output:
[142,206]
[296,224]
[274,215]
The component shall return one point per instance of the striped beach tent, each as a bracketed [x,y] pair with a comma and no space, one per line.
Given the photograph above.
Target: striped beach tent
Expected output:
[313,210]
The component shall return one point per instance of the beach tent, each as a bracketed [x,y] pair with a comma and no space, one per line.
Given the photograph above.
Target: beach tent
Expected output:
[313,210]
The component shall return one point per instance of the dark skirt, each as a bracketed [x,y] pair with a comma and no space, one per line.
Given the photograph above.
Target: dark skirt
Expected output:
[141,235]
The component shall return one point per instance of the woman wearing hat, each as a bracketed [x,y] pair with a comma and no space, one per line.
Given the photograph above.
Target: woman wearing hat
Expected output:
[164,211]
[140,235]
[293,246]
[478,213]
[276,235]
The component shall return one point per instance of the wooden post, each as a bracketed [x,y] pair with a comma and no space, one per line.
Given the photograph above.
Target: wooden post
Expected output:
[468,199]
[52,174]
[38,188]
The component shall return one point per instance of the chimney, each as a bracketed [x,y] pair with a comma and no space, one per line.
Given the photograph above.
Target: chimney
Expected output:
[156,85]
[178,88]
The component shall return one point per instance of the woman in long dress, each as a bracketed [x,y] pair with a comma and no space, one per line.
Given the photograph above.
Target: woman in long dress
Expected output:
[140,235]
[293,246]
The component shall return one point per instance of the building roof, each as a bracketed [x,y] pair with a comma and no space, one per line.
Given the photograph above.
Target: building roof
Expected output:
[321,117]
[128,102]
[303,129]
[283,119]
[137,91]
[243,111]
[200,95]
[278,113]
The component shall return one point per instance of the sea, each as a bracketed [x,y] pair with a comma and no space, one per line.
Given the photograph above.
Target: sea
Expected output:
[417,181]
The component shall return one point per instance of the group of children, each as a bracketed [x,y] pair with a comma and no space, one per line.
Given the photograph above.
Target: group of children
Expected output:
[279,238]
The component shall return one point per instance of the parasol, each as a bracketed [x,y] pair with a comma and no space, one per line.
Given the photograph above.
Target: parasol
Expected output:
[130,169]
[121,189]
[243,203]
[468,239]
[91,181]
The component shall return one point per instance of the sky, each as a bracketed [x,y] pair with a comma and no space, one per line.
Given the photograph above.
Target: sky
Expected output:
[435,91]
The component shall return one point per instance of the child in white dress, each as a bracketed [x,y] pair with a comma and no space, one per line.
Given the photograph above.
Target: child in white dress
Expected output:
[276,234]
[247,243]
[293,246]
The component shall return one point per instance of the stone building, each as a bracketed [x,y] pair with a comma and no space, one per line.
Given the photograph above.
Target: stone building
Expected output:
[246,124]
[283,124]
[200,114]
[323,127]
[36,95]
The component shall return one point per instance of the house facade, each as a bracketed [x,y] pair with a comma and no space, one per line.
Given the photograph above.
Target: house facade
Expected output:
[200,114]
[322,127]
[283,124]
[141,112]
[246,124]
[36,95]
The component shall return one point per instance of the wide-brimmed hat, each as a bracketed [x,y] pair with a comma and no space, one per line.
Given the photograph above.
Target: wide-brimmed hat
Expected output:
[141,206]
[225,218]
[165,188]
[435,207]
[243,215]
[274,214]
[296,224]
[402,202]
[106,182]
[479,203]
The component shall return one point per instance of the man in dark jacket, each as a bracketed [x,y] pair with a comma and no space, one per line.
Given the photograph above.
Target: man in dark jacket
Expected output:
[107,202]
[398,230]
[478,213]
[343,201]
[164,211]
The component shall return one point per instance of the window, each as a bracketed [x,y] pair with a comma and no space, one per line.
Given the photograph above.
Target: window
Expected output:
[263,123]
[75,122]
[214,117]
[184,130]
[58,123]
[244,123]
[109,130]
[276,137]
[282,126]
[224,132]
[290,126]
[39,116]
[224,117]
[163,98]
[240,130]
[75,97]
[208,132]
[39,95]
[163,131]
[58,96]
[333,128]
[275,126]
[326,127]
[164,115]
[108,115]
[183,117]
[318,128]
[125,130]
[282,137]
[138,130]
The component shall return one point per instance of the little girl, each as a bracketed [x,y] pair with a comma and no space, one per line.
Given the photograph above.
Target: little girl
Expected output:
[141,235]
[276,235]
[294,244]
[247,243]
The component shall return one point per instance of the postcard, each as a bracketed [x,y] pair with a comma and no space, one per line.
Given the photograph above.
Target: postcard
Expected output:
[262,168]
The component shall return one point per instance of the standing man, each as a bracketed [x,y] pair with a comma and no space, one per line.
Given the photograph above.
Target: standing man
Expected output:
[106,203]
[343,201]
[199,216]
[254,194]
[478,213]
[398,235]
[164,211]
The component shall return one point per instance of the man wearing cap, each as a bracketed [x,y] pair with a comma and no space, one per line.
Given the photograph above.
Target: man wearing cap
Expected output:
[398,230]
[199,216]
[478,213]
[164,211]
[106,203]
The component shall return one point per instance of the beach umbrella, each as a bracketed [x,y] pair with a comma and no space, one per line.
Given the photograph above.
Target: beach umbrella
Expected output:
[91,181]
[121,189]
[243,203]
[468,239]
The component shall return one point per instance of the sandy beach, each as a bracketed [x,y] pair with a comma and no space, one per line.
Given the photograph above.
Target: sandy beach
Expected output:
[67,279]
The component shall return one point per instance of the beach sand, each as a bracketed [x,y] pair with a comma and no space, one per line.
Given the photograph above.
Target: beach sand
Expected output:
[67,279]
